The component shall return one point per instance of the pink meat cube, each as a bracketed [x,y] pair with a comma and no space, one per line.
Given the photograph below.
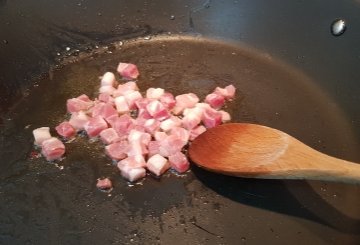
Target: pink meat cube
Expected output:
[170,145]
[228,92]
[168,100]
[154,93]
[76,105]
[225,116]
[104,184]
[137,161]
[191,120]
[211,118]
[128,71]
[41,134]
[169,123]
[151,125]
[144,114]
[195,132]
[107,89]
[131,98]
[121,124]
[78,120]
[125,88]
[108,79]
[95,125]
[159,136]
[186,100]
[142,103]
[157,164]
[177,110]
[138,136]
[103,110]
[84,97]
[133,174]
[121,104]
[118,150]
[52,149]
[105,97]
[65,130]
[179,162]
[157,110]
[195,110]
[215,100]
[109,136]
[181,133]
[153,148]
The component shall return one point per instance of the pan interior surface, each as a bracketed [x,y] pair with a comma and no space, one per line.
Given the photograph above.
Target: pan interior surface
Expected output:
[43,203]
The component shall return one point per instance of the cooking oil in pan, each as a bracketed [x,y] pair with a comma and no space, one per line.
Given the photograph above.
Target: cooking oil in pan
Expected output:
[268,92]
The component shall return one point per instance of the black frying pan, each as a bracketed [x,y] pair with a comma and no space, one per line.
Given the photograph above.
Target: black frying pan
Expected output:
[291,73]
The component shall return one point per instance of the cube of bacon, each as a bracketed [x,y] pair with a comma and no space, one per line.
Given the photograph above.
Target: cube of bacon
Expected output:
[108,79]
[211,118]
[131,99]
[133,174]
[170,145]
[104,184]
[121,104]
[228,92]
[168,100]
[180,133]
[169,123]
[157,164]
[65,129]
[95,125]
[157,110]
[151,125]
[109,136]
[225,116]
[128,71]
[125,88]
[76,105]
[153,148]
[136,161]
[144,114]
[191,120]
[52,149]
[107,98]
[179,162]
[142,103]
[159,136]
[78,120]
[41,134]
[186,100]
[215,100]
[103,110]
[107,89]
[118,150]
[121,124]
[154,93]
[195,132]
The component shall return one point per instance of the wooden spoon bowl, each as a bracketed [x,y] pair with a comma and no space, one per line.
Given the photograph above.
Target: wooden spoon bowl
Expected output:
[250,150]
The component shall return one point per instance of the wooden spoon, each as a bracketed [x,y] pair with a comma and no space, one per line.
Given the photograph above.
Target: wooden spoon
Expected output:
[250,150]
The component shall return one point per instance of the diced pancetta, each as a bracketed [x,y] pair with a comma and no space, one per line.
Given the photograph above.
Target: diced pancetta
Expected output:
[76,105]
[128,71]
[109,136]
[157,110]
[168,100]
[78,120]
[133,174]
[104,184]
[41,134]
[154,93]
[186,100]
[170,145]
[151,125]
[180,133]
[136,161]
[108,79]
[179,162]
[52,149]
[211,118]
[95,125]
[157,164]
[131,99]
[107,98]
[195,132]
[103,110]
[153,148]
[216,101]
[118,150]
[169,123]
[107,89]
[121,104]
[228,92]
[65,129]
[191,120]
